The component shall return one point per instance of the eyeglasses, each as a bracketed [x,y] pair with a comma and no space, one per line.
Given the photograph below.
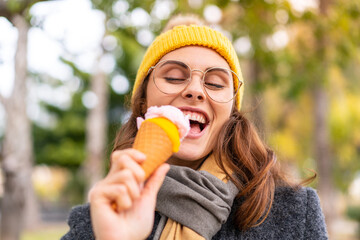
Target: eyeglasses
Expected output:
[172,77]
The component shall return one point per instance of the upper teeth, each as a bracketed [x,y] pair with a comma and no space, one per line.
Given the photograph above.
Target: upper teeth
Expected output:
[195,116]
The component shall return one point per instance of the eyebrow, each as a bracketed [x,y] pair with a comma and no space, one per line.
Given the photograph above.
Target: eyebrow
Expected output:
[219,69]
[175,62]
[180,63]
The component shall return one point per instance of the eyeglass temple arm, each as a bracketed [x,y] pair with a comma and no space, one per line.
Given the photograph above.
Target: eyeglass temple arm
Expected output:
[150,69]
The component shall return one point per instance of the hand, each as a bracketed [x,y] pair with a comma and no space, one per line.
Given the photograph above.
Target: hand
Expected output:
[133,217]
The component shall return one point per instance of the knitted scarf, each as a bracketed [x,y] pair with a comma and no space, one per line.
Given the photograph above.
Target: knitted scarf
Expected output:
[194,204]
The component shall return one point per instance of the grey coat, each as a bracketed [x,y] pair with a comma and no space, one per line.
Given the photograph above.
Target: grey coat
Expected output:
[294,215]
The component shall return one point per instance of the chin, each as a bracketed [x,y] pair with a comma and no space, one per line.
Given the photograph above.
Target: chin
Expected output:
[190,153]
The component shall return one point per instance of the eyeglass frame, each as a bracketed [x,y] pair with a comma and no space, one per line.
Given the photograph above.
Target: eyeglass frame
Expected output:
[240,82]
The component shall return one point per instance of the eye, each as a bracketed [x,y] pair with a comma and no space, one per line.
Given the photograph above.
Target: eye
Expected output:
[213,86]
[172,73]
[174,80]
[214,82]
[217,79]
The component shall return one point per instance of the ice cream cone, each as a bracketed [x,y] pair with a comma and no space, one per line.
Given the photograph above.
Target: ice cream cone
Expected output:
[159,136]
[156,143]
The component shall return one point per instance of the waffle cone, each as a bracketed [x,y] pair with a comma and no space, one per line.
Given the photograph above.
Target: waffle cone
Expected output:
[154,142]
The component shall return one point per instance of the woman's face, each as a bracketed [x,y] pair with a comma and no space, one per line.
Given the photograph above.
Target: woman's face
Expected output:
[194,102]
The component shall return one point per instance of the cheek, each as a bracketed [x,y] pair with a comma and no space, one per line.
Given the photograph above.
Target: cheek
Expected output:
[153,95]
[223,112]
[222,116]
[219,125]
[149,97]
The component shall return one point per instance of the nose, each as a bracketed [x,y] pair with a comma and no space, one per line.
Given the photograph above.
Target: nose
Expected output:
[194,89]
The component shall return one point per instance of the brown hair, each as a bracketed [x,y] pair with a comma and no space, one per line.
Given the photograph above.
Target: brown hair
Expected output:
[255,170]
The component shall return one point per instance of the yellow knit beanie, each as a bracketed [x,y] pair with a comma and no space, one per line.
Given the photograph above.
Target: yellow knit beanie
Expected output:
[181,36]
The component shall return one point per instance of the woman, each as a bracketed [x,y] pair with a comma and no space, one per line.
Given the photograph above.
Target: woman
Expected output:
[224,183]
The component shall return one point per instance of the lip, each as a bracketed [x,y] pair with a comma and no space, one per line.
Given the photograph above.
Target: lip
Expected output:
[191,109]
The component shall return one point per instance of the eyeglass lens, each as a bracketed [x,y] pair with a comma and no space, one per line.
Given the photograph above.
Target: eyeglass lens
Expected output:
[172,77]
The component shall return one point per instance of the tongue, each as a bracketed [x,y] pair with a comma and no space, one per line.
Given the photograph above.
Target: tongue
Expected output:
[195,127]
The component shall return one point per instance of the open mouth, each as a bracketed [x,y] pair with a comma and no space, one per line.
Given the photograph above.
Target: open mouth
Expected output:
[198,121]
[196,127]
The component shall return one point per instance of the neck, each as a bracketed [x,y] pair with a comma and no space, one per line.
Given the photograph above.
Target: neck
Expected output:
[195,164]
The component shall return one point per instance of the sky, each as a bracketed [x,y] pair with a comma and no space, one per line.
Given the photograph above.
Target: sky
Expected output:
[67,26]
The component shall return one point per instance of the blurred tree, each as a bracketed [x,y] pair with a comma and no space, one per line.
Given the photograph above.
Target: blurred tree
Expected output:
[354,213]
[18,205]
[96,128]
[313,49]
[314,61]
[64,144]
[322,147]
[97,119]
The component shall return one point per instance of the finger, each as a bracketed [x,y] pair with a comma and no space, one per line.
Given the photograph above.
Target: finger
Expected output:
[134,153]
[127,163]
[127,178]
[155,181]
[135,168]
[108,194]
[123,202]
[120,195]
[128,158]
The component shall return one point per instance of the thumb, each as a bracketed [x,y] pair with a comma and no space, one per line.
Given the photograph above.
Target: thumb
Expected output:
[155,181]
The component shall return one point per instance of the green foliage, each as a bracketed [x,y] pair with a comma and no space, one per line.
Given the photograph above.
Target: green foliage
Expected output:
[353,212]
[15,6]
[73,194]
[64,145]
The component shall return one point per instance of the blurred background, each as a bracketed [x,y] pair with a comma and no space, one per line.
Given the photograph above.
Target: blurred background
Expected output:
[67,68]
